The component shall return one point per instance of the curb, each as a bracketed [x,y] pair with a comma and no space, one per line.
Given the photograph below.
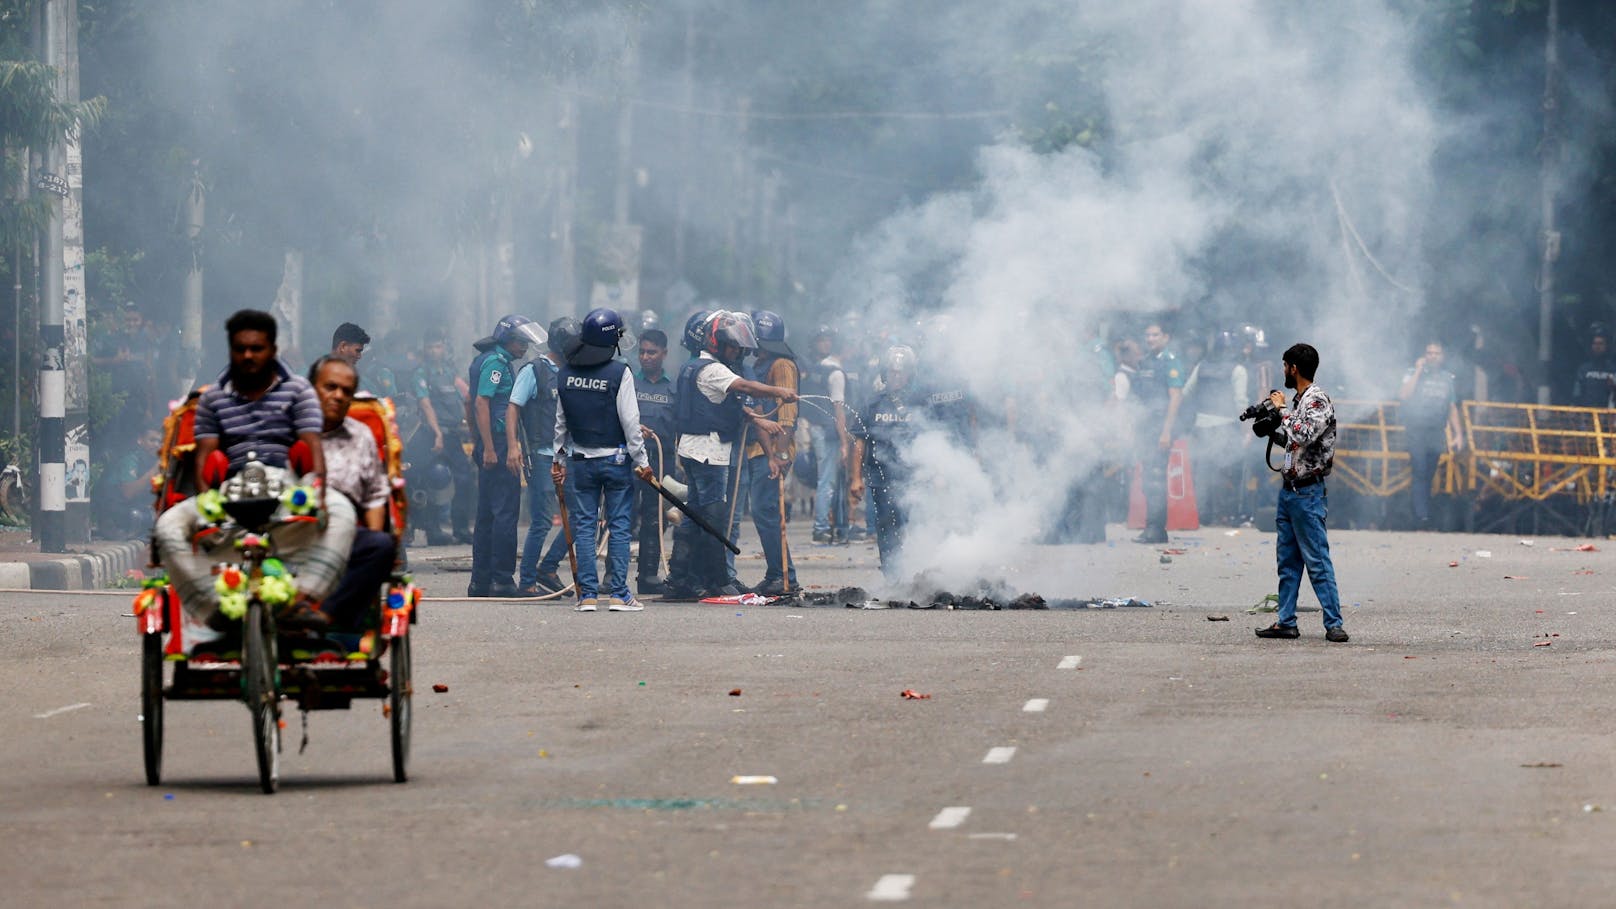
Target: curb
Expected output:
[79,571]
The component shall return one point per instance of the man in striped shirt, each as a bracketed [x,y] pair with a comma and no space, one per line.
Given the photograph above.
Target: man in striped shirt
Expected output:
[259,408]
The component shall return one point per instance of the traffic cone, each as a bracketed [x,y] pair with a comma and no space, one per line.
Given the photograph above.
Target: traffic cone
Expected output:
[1181,511]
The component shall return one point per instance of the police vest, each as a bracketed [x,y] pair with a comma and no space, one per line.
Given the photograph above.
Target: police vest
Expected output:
[447,404]
[1151,383]
[588,398]
[496,403]
[697,416]
[1214,388]
[656,407]
[1594,381]
[765,366]
[890,430]
[818,410]
[539,413]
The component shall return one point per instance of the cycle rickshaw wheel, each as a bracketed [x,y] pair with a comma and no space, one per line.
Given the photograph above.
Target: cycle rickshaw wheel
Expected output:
[399,701]
[151,704]
[258,667]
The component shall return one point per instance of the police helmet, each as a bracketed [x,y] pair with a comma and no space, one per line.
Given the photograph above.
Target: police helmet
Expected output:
[505,327]
[649,319]
[695,334]
[899,358]
[728,328]
[771,332]
[597,338]
[564,331]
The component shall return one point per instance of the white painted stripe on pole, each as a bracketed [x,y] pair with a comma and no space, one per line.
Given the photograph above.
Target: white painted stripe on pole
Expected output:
[50,713]
[1001,755]
[53,487]
[52,393]
[1036,705]
[949,818]
[891,888]
[1069,662]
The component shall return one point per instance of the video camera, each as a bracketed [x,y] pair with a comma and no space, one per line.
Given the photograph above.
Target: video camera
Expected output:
[1266,416]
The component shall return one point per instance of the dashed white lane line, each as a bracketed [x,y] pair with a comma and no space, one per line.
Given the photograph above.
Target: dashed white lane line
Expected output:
[50,713]
[1069,662]
[1005,837]
[891,888]
[1036,705]
[949,818]
[1001,755]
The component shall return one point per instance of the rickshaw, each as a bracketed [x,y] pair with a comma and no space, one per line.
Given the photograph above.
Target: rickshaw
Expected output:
[264,665]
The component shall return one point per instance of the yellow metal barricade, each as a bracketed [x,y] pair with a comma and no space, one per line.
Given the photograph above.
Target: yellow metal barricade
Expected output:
[1530,452]
[1371,454]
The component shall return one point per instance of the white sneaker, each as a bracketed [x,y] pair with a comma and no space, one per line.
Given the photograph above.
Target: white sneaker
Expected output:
[587,605]
[631,605]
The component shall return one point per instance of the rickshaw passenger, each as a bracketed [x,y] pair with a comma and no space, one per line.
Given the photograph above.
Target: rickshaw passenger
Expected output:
[258,406]
[353,468]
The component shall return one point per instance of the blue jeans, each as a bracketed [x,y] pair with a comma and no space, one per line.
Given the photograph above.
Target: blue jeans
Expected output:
[594,479]
[1302,543]
[764,496]
[493,541]
[541,508]
[698,557]
[829,496]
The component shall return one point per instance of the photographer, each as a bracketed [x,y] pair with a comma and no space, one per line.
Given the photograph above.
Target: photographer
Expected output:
[1307,433]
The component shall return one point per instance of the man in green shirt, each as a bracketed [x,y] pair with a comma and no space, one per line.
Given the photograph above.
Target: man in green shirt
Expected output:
[499,489]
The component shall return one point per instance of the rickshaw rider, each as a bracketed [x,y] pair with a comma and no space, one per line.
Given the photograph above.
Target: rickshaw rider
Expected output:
[258,407]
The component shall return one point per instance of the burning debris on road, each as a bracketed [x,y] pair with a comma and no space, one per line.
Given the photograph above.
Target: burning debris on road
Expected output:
[989,600]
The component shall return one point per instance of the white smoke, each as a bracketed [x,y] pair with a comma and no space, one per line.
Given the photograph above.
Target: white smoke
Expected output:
[1256,156]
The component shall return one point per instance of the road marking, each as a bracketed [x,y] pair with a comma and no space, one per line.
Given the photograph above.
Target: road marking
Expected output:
[1036,705]
[1006,837]
[949,818]
[50,713]
[891,888]
[1000,755]
[1069,662]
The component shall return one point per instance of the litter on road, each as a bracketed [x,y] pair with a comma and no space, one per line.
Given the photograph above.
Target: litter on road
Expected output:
[909,694]
[564,861]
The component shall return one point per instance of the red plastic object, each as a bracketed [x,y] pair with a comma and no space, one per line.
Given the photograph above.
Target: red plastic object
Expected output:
[1181,511]
[215,468]
[300,458]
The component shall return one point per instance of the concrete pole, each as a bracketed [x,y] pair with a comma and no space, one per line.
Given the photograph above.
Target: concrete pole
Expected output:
[75,303]
[1549,186]
[51,534]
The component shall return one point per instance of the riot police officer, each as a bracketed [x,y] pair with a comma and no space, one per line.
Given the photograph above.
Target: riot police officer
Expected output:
[532,409]
[499,489]
[440,439]
[770,454]
[1159,387]
[883,434]
[598,441]
[1595,382]
[655,393]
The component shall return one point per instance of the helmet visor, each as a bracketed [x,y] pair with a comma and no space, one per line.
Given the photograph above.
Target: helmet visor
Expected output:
[530,334]
[734,330]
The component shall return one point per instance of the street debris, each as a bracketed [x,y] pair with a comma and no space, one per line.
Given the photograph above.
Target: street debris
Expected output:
[1217,618]
[1453,564]
[1544,644]
[440,688]
[1516,577]
[1543,764]
[753,780]
[1528,543]
[1586,547]
[1484,554]
[735,692]
[1269,603]
[741,599]
[564,861]
[909,694]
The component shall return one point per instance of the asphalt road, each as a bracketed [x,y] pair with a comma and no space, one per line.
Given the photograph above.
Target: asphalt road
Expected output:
[1438,759]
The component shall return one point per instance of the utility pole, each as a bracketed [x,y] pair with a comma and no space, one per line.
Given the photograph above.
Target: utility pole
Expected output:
[62,433]
[1550,186]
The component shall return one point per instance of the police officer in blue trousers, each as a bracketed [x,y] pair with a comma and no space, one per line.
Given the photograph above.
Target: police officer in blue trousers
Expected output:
[883,434]
[824,382]
[769,454]
[499,489]
[710,412]
[655,392]
[440,440]
[533,409]
[598,441]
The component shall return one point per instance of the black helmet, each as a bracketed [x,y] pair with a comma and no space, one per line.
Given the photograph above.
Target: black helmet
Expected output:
[695,335]
[771,333]
[564,333]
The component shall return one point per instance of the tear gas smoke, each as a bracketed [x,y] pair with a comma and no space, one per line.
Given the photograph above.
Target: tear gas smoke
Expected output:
[1266,158]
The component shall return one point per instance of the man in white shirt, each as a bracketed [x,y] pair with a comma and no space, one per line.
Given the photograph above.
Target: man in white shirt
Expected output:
[710,414]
